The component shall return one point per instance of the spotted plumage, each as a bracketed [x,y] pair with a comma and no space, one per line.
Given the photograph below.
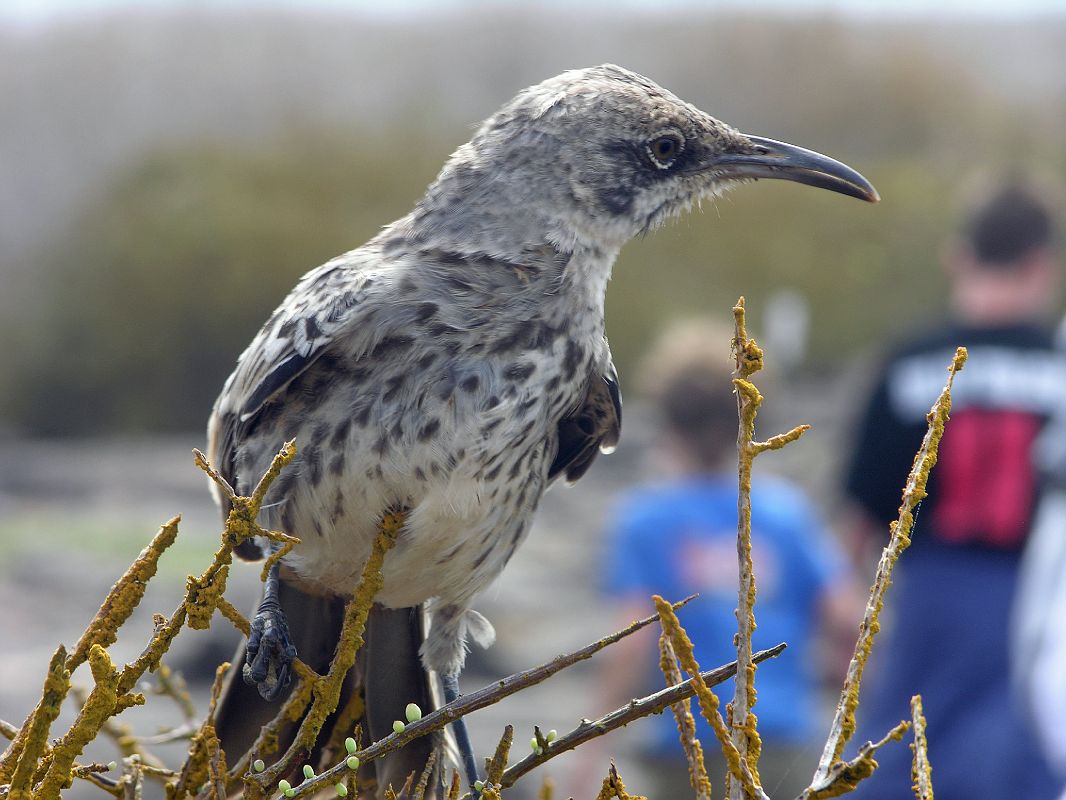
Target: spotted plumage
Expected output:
[456,365]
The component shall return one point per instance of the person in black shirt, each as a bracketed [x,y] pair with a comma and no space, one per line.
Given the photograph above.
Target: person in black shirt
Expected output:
[947,636]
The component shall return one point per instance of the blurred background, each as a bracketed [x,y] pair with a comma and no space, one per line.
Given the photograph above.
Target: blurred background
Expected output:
[169,169]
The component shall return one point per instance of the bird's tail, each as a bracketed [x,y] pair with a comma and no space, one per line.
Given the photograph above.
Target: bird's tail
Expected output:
[388,675]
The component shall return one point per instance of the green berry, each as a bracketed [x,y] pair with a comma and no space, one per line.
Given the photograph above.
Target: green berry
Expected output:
[284,785]
[413,712]
[398,726]
[290,792]
[309,772]
[552,735]
[342,790]
[258,765]
[349,745]
[533,744]
[352,762]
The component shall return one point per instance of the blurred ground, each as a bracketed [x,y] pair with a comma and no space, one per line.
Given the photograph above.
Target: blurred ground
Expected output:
[74,514]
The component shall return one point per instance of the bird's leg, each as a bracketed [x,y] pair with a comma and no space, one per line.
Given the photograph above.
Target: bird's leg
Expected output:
[450,684]
[270,651]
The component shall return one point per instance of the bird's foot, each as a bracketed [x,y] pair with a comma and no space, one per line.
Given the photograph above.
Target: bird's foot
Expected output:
[270,651]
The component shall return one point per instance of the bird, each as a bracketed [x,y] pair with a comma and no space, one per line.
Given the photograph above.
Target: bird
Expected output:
[455,366]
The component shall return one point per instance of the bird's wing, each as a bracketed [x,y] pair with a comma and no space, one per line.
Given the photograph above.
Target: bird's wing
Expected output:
[592,427]
[326,302]
[322,304]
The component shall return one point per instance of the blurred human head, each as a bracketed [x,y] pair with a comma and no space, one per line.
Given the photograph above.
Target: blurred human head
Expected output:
[1004,264]
[688,375]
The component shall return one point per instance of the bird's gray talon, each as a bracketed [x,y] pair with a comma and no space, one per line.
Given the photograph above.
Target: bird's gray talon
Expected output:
[269,653]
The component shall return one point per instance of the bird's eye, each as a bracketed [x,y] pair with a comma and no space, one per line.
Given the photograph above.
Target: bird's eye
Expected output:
[664,149]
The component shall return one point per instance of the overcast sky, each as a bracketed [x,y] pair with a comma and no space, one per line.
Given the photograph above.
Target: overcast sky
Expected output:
[32,12]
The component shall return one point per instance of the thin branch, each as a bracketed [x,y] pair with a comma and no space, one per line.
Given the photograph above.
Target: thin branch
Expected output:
[738,766]
[473,701]
[745,737]
[921,769]
[620,717]
[843,726]
[686,725]
[327,690]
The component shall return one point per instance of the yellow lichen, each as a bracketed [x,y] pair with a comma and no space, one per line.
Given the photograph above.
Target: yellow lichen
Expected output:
[455,787]
[613,787]
[742,722]
[708,701]
[686,725]
[921,769]
[124,596]
[325,691]
[843,727]
[498,763]
[98,707]
[31,743]
[844,777]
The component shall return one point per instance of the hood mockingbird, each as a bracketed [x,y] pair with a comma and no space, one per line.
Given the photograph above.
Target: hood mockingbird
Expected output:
[455,366]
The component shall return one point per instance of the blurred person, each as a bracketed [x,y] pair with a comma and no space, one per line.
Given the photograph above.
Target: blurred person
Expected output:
[677,537]
[1038,641]
[947,638]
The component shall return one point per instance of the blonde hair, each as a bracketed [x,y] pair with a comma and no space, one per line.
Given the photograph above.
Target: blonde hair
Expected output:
[688,375]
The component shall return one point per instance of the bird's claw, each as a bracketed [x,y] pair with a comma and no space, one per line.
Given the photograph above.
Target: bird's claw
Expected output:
[270,651]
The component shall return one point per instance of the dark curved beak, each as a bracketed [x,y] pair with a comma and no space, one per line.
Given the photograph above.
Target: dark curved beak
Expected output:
[772,159]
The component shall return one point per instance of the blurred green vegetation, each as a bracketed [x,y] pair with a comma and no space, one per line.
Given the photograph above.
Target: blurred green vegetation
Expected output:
[135,314]
[148,300]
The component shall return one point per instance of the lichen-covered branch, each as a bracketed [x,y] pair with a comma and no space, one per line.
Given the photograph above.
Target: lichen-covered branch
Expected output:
[103,701]
[686,725]
[921,769]
[31,742]
[124,596]
[843,726]
[613,787]
[844,776]
[117,607]
[495,766]
[327,689]
[738,766]
[482,698]
[744,733]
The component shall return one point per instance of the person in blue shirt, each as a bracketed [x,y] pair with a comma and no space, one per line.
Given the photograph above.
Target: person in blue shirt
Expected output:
[677,536]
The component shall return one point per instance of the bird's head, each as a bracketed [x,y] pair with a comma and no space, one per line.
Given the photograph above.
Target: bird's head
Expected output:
[607,154]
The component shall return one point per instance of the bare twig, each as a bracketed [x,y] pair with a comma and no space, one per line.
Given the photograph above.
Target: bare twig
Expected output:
[634,710]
